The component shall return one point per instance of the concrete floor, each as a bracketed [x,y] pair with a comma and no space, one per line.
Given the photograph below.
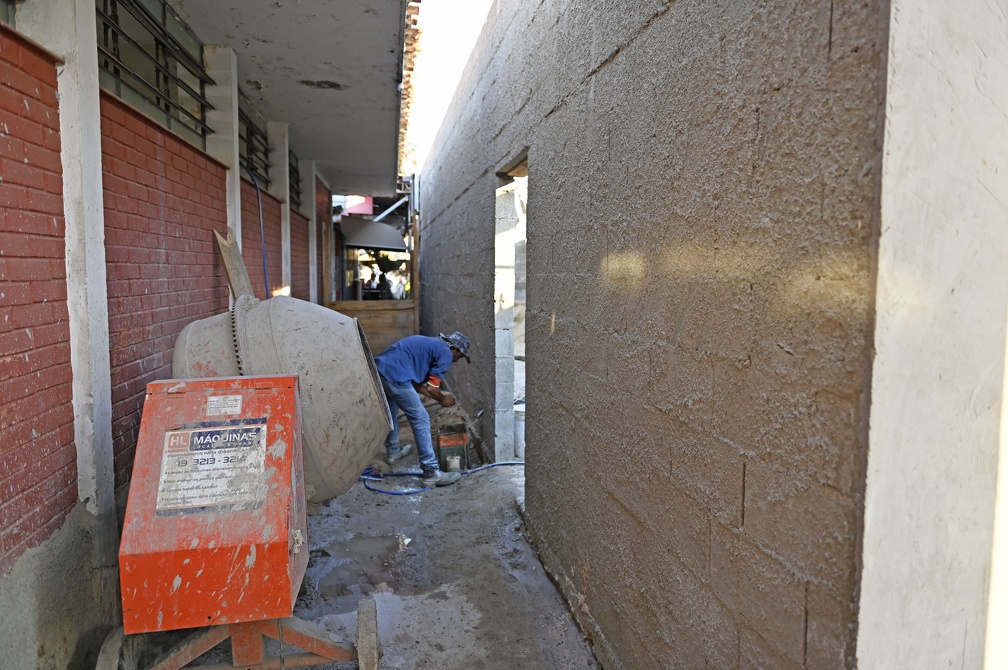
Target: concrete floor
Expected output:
[456,583]
[454,578]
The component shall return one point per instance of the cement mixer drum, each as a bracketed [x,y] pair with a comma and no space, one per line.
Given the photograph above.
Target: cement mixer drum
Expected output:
[345,416]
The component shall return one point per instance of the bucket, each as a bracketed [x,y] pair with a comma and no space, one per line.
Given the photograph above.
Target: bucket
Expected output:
[452,449]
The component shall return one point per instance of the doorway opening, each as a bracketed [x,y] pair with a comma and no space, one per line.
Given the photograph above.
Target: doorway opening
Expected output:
[509,312]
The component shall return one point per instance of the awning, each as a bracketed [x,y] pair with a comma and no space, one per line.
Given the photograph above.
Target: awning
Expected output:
[366,234]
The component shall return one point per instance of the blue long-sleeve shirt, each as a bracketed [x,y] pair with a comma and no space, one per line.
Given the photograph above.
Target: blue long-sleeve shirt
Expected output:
[416,359]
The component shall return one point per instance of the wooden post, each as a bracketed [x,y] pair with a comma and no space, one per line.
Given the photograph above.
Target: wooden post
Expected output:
[234,266]
[368,652]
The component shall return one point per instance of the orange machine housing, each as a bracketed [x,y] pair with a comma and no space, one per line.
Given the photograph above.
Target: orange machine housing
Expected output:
[215,529]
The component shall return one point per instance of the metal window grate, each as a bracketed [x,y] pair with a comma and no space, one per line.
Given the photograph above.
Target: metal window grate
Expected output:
[294,174]
[148,57]
[253,141]
[7,12]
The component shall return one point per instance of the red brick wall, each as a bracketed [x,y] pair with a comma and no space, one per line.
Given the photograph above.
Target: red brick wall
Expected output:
[300,279]
[38,459]
[251,244]
[323,214]
[163,198]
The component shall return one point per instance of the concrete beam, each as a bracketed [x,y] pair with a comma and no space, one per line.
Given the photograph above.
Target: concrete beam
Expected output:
[930,587]
[279,160]
[222,66]
[307,170]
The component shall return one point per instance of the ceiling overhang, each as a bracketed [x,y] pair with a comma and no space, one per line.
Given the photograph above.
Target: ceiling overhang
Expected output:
[367,234]
[331,70]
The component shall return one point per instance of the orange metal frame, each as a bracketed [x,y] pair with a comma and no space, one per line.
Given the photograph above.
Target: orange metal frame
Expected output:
[221,535]
[215,532]
[248,646]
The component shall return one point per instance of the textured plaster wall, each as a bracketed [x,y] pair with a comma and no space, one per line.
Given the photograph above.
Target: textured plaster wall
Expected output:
[51,617]
[702,213]
[938,416]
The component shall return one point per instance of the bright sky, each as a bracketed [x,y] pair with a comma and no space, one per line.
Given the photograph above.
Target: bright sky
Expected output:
[450,29]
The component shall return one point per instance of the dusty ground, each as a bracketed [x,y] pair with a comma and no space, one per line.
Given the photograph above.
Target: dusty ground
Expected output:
[456,583]
[454,578]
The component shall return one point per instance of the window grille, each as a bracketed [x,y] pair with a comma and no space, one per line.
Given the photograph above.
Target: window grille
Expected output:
[253,141]
[295,181]
[150,58]
[7,12]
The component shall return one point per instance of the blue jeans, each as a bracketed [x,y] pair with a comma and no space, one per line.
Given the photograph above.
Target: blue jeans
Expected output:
[405,397]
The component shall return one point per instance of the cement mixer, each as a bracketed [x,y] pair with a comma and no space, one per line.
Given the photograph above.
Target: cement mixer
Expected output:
[345,416]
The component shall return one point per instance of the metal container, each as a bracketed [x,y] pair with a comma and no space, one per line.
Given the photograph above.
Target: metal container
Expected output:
[215,525]
[453,443]
[345,416]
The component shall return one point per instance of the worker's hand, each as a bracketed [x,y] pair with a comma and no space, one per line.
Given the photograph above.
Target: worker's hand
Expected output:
[447,400]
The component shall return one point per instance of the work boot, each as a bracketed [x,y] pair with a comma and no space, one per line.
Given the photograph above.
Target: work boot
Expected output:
[439,478]
[399,454]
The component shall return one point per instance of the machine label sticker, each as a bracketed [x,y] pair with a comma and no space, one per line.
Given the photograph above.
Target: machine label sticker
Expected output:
[212,466]
[220,405]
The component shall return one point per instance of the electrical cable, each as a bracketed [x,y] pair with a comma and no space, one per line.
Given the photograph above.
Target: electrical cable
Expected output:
[373,475]
[262,230]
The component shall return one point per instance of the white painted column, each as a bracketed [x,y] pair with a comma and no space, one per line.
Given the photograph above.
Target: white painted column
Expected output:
[307,170]
[504,285]
[279,161]
[328,243]
[937,415]
[68,29]
[222,143]
[996,649]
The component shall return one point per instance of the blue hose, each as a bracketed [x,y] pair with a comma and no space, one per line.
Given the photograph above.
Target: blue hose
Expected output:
[373,475]
[492,465]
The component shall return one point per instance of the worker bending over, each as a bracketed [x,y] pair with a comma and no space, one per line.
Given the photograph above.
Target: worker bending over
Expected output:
[414,365]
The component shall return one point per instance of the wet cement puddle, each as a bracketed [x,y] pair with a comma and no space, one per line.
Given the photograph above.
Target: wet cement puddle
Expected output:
[359,560]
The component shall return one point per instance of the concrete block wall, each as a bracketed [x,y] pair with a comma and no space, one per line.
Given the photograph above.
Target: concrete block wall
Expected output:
[703,212]
[456,256]
[300,276]
[38,469]
[163,200]
[252,239]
